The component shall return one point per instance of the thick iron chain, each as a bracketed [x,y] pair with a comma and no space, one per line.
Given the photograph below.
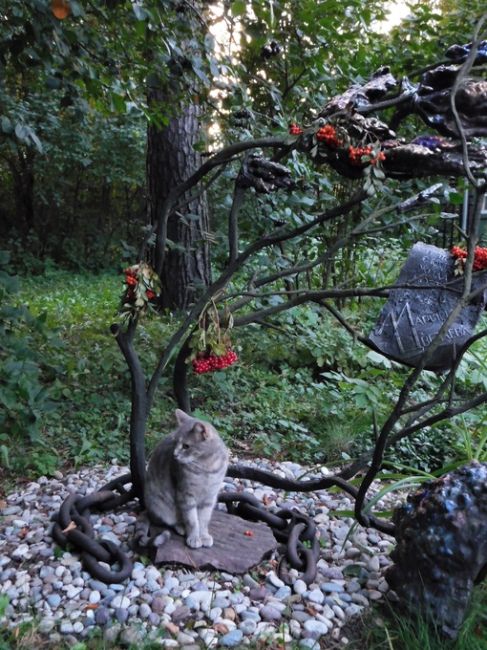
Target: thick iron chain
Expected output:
[72,526]
[292,528]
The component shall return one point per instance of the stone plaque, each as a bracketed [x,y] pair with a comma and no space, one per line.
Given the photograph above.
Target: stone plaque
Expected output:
[412,317]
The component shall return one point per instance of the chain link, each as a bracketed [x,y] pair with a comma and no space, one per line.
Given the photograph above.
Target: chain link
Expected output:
[72,526]
[292,528]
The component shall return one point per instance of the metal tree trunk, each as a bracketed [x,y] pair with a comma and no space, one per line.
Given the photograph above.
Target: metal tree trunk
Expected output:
[171,159]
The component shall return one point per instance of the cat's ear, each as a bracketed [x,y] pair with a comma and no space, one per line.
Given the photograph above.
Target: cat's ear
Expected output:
[202,429]
[181,416]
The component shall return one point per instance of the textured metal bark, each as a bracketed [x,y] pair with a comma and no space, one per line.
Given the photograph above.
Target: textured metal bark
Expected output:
[171,159]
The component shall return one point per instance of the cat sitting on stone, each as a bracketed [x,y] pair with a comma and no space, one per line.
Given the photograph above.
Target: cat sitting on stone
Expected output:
[184,476]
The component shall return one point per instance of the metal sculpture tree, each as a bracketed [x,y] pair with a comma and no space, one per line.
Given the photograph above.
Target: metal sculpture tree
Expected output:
[451,101]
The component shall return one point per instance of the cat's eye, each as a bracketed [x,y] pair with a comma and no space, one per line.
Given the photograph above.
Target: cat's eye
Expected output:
[185,445]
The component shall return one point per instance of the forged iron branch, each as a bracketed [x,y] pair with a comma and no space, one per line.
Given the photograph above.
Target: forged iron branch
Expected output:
[279,235]
[395,415]
[462,74]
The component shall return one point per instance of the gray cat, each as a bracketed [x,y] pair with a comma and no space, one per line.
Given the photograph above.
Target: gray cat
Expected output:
[184,475]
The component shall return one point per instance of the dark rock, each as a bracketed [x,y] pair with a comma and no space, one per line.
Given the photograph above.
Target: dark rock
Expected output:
[269,613]
[259,593]
[121,614]
[441,550]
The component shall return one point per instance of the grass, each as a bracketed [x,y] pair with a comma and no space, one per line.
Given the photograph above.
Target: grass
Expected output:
[317,390]
[85,371]
[388,630]
[89,383]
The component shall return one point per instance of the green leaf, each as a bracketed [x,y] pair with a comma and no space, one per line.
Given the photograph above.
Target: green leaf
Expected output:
[380,359]
[238,7]
[21,132]
[54,83]
[118,102]
[7,126]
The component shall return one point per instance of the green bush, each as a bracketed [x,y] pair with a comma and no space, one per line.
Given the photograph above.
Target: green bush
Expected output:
[25,377]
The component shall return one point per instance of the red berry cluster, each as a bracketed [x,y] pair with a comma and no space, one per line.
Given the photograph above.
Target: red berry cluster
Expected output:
[295,129]
[479,259]
[132,280]
[355,154]
[130,277]
[328,135]
[211,362]
[380,156]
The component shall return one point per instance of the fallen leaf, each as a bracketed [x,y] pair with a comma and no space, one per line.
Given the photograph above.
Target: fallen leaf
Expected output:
[92,606]
[23,532]
[70,526]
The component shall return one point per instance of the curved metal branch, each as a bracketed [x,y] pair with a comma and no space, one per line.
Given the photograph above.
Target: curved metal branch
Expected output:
[139,408]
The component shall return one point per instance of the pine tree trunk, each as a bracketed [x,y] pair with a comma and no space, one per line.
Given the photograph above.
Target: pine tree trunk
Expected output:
[171,159]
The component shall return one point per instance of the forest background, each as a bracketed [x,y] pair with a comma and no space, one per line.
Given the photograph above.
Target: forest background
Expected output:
[87,100]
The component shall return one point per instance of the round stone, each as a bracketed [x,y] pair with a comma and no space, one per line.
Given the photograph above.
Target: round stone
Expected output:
[94,597]
[274,580]
[232,639]
[315,628]
[102,616]
[374,564]
[315,596]
[66,627]
[300,587]
[330,587]
[120,601]
[121,615]
[54,600]
[269,613]
[46,625]
[144,611]
[248,627]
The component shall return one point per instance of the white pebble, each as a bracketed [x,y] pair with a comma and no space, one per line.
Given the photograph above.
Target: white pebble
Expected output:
[120,601]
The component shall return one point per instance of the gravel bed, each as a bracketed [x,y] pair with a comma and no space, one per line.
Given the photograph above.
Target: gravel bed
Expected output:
[178,608]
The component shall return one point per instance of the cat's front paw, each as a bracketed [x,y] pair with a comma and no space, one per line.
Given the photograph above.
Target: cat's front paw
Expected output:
[193,541]
[206,540]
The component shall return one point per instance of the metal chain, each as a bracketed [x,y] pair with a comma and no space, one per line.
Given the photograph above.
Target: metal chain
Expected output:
[72,526]
[291,528]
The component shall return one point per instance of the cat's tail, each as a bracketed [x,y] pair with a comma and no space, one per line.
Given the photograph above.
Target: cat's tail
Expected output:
[142,536]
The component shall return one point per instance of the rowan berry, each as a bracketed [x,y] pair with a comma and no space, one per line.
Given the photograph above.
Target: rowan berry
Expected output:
[295,129]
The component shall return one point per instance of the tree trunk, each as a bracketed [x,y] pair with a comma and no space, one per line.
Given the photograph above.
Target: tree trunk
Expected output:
[171,159]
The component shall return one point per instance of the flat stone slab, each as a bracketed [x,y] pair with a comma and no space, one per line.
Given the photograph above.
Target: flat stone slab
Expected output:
[238,546]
